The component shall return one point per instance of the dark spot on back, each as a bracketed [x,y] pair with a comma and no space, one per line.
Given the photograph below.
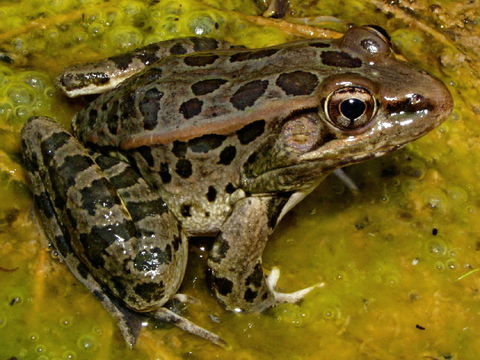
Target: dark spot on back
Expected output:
[184,168]
[205,143]
[122,61]
[149,106]
[247,94]
[165,173]
[178,49]
[185,210]
[207,86]
[340,59]
[227,155]
[211,194]
[179,149]
[200,60]
[148,54]
[251,131]
[252,55]
[297,83]
[191,108]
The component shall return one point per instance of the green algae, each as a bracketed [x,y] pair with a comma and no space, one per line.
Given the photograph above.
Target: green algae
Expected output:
[398,260]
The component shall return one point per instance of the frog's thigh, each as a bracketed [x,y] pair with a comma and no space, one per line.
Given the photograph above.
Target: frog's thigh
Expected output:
[139,254]
[235,261]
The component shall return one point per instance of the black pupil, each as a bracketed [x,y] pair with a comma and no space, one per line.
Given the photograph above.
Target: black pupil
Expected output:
[352,108]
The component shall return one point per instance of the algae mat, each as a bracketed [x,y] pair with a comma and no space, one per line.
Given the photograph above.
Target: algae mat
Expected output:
[399,259]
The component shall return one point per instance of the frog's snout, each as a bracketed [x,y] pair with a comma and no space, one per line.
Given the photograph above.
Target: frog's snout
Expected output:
[424,106]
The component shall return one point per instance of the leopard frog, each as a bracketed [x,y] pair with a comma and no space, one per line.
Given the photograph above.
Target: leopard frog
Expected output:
[194,137]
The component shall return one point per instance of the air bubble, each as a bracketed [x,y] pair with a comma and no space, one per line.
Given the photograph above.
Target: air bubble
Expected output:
[41,349]
[436,248]
[440,266]
[69,355]
[20,94]
[331,314]
[125,37]
[35,80]
[66,321]
[33,337]
[86,343]
[451,264]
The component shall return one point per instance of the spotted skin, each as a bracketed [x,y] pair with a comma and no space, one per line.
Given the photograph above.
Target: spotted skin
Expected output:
[200,139]
[91,188]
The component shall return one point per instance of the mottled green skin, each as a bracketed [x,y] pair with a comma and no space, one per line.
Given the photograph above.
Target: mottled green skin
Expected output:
[220,143]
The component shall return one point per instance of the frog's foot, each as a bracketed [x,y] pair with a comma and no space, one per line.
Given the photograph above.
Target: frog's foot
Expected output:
[292,297]
[166,315]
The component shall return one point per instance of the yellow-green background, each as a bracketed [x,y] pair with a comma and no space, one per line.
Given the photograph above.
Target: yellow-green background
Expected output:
[393,289]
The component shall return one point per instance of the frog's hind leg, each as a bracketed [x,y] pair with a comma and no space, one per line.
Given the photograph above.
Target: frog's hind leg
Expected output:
[129,322]
[106,224]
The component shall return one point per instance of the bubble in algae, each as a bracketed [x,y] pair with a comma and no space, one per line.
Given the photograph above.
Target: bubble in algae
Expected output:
[202,24]
[66,321]
[20,94]
[41,349]
[87,343]
[125,37]
[436,248]
[69,355]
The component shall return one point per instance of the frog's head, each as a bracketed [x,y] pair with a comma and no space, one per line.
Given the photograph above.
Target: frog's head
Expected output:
[372,105]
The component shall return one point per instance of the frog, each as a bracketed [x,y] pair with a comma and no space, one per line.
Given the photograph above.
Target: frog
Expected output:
[197,137]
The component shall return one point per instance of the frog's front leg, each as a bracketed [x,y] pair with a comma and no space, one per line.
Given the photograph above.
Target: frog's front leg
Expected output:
[235,262]
[115,234]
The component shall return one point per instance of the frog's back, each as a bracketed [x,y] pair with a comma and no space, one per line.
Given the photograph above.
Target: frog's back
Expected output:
[185,97]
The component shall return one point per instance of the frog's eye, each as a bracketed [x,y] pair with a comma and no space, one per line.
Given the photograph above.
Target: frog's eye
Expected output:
[350,107]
